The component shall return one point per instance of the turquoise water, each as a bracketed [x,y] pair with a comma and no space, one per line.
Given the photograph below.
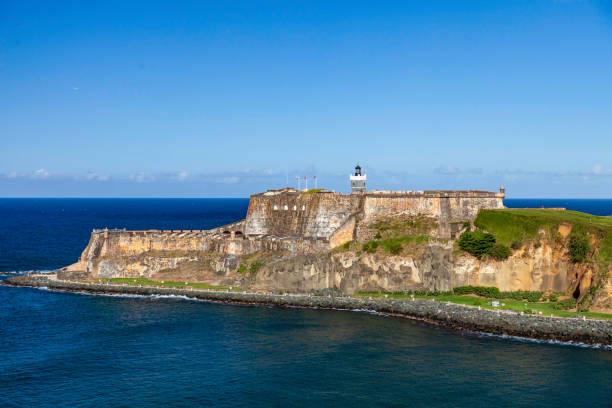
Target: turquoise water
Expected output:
[64,349]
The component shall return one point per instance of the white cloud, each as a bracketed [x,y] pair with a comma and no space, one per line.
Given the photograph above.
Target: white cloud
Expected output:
[41,174]
[446,170]
[182,175]
[96,177]
[142,177]
[597,169]
[229,180]
[11,175]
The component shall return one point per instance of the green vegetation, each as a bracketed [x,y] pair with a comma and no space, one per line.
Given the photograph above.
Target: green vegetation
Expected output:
[564,304]
[546,308]
[242,269]
[579,246]
[377,236]
[255,267]
[511,225]
[476,243]
[394,245]
[500,251]
[312,190]
[370,247]
[404,226]
[516,245]
[494,293]
[484,291]
[169,284]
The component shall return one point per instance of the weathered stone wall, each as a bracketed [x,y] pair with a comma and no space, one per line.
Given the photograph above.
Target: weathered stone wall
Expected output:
[111,251]
[291,213]
[447,206]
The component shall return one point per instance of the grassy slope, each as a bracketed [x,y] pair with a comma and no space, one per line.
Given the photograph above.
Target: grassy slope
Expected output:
[511,225]
[169,284]
[544,307]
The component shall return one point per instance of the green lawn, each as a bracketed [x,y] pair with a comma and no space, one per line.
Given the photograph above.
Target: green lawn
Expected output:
[511,225]
[169,284]
[544,307]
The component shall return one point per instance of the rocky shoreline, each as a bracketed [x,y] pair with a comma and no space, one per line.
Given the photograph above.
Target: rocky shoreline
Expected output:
[500,322]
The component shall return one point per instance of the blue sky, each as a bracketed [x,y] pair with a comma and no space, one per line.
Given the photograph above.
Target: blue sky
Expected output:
[224,99]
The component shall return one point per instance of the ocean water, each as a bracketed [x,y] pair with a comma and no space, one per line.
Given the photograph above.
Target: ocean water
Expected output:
[76,350]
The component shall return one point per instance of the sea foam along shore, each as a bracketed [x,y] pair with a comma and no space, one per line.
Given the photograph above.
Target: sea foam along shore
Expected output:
[502,322]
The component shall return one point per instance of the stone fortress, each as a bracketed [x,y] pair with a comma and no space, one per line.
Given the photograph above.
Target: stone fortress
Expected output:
[296,223]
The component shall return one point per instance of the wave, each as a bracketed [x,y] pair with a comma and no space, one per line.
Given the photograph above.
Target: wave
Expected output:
[41,271]
[368,311]
[37,271]
[540,341]
[126,295]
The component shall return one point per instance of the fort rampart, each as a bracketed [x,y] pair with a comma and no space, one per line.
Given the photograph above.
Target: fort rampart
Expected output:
[293,221]
[326,214]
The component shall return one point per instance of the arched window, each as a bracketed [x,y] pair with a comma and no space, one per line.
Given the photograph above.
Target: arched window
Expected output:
[275,207]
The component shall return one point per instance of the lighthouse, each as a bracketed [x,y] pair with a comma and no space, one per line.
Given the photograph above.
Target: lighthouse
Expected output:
[358,181]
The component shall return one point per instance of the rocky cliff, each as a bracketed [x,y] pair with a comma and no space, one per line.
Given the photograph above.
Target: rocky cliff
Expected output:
[386,241]
[433,265]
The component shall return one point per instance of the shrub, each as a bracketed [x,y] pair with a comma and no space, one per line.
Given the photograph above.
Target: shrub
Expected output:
[500,251]
[377,236]
[579,247]
[483,291]
[476,243]
[553,297]
[255,267]
[494,293]
[394,247]
[564,304]
[242,269]
[346,245]
[370,247]
[467,225]
[516,245]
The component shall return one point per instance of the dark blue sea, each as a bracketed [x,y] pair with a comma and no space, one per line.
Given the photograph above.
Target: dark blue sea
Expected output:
[72,350]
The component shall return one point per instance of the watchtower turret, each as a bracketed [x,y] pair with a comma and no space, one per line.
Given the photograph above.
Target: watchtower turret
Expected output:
[358,181]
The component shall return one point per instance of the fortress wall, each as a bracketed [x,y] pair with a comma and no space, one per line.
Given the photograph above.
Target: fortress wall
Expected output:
[447,205]
[325,214]
[376,206]
[132,244]
[293,214]
[463,208]
[343,234]
[450,207]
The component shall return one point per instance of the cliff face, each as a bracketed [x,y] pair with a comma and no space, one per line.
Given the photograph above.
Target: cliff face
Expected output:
[197,255]
[435,268]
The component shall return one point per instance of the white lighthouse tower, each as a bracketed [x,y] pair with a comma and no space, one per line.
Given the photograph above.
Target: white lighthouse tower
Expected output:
[358,181]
